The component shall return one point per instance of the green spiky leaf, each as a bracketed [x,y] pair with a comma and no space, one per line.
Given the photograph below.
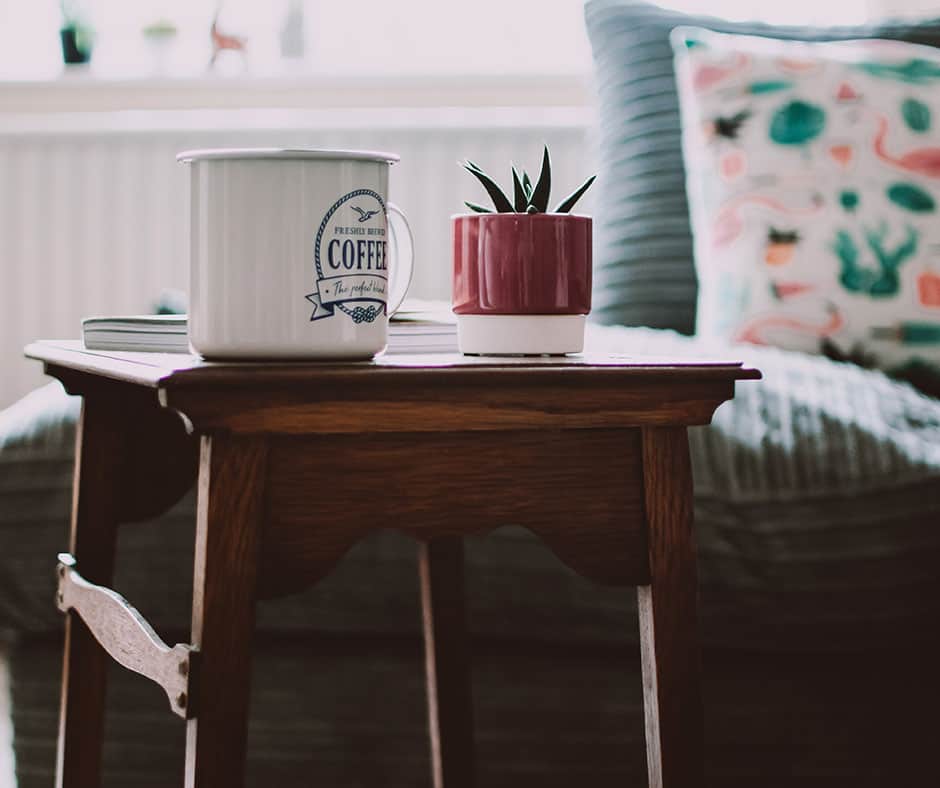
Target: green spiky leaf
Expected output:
[500,200]
[568,203]
[519,198]
[543,187]
[527,185]
[477,208]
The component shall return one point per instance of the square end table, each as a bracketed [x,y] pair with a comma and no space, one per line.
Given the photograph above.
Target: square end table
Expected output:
[296,462]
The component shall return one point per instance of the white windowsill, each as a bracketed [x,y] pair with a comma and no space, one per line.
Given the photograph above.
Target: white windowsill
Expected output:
[90,93]
[160,122]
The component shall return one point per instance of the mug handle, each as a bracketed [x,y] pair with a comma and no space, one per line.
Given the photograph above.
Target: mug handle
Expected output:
[401,272]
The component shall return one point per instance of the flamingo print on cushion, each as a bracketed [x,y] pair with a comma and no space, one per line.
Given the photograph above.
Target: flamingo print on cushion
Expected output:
[759,330]
[829,233]
[922,161]
[730,222]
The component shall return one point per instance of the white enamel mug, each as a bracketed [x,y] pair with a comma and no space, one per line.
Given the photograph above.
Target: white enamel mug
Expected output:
[294,254]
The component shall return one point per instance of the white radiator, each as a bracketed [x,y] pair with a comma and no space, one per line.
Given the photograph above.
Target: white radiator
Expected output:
[93,206]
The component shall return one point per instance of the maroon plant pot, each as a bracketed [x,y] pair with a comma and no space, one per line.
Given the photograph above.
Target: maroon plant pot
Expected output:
[522,266]
[517,263]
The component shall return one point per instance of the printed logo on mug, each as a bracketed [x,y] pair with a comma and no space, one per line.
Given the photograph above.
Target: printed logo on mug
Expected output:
[351,258]
[294,253]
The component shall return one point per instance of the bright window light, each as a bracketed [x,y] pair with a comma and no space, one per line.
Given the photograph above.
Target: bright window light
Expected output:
[360,38]
[413,37]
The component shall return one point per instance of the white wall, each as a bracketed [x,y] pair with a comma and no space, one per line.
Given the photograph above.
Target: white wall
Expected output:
[93,206]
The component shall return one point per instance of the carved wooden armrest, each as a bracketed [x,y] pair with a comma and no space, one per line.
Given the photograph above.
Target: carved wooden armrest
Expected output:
[126,636]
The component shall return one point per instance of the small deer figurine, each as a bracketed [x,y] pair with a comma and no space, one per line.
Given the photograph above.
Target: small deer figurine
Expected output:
[222,41]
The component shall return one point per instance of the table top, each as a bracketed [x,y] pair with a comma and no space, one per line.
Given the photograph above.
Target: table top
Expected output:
[431,392]
[171,370]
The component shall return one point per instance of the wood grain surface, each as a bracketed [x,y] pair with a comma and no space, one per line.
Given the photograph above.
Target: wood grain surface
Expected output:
[402,404]
[671,655]
[95,515]
[447,663]
[228,534]
[174,370]
[580,491]
[418,393]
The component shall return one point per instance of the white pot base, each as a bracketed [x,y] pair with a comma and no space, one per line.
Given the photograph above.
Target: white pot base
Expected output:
[520,335]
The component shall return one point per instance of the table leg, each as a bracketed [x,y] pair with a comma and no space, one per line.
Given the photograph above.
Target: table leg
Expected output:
[671,656]
[228,533]
[450,708]
[99,455]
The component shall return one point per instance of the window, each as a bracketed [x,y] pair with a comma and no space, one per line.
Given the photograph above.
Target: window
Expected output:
[360,37]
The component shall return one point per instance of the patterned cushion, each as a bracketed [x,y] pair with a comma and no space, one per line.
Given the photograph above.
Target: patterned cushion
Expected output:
[643,269]
[813,179]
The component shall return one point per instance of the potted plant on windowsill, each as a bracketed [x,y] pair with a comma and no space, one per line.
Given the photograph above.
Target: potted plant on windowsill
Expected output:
[76,35]
[160,35]
[522,274]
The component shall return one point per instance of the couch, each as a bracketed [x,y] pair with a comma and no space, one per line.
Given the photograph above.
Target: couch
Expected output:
[817,505]
[817,502]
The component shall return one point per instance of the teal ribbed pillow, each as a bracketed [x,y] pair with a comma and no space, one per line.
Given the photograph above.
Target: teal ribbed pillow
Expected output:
[643,271]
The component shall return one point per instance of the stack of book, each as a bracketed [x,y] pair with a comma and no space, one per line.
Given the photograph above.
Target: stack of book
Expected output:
[422,327]
[418,327]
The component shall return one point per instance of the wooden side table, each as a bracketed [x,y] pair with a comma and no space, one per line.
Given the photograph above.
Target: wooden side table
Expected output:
[296,462]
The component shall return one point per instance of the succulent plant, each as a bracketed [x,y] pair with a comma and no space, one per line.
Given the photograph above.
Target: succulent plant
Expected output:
[526,197]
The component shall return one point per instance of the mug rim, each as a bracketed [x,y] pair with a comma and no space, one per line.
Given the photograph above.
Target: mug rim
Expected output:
[322,154]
